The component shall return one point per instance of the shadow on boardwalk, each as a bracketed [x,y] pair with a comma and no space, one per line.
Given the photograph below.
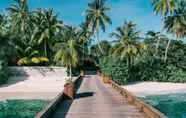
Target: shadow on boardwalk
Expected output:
[97,100]
[65,105]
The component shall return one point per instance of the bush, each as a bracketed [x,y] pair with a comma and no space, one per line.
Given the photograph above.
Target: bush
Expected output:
[3,72]
[145,70]
[21,108]
[115,68]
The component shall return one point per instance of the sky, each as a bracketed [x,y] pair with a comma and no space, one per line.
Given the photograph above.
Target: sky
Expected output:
[72,12]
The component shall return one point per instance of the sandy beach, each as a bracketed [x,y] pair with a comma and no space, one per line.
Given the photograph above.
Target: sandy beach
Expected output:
[32,87]
[37,84]
[142,89]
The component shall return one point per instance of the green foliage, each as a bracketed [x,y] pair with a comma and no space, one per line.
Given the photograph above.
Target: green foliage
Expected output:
[115,68]
[148,67]
[21,108]
[3,72]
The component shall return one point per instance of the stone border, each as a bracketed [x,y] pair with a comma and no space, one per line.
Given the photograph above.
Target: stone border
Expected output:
[51,107]
[142,106]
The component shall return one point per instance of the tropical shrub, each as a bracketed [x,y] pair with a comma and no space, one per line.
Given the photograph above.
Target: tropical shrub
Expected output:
[114,68]
[3,72]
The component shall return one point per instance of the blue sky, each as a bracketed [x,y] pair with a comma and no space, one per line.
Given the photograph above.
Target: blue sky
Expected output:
[71,12]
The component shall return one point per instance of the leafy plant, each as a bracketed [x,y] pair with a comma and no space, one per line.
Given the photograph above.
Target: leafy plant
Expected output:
[3,72]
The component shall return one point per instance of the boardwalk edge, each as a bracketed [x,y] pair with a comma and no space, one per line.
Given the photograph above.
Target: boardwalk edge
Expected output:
[150,111]
[51,107]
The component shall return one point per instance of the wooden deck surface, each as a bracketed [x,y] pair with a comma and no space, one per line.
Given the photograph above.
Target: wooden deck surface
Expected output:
[97,100]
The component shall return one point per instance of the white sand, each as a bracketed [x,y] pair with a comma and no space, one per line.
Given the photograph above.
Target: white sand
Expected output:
[40,83]
[38,87]
[143,89]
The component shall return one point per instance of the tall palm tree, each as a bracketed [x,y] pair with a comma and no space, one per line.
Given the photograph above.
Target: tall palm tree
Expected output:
[176,23]
[46,27]
[67,54]
[127,45]
[96,17]
[164,8]
[20,16]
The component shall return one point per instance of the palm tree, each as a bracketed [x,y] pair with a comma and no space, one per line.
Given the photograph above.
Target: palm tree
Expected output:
[164,8]
[46,27]
[20,16]
[67,54]
[176,23]
[127,45]
[96,17]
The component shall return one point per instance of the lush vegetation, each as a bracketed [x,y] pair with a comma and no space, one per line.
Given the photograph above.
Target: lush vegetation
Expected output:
[153,57]
[40,38]
[172,105]
[21,108]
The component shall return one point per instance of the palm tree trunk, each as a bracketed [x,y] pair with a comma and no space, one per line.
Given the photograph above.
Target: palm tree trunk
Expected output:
[129,67]
[83,52]
[128,62]
[45,47]
[157,46]
[166,51]
[70,73]
[100,48]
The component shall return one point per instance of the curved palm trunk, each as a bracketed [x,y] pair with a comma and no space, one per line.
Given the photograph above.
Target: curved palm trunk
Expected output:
[166,51]
[100,48]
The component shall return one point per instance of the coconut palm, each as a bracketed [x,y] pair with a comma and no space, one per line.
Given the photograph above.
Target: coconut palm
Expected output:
[67,54]
[20,16]
[127,45]
[96,17]
[163,7]
[176,23]
[46,27]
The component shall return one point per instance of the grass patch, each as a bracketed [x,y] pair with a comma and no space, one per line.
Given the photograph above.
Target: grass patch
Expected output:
[21,108]
[172,105]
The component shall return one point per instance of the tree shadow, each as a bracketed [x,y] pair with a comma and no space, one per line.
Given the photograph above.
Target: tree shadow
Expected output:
[63,108]
[90,73]
[84,95]
[15,77]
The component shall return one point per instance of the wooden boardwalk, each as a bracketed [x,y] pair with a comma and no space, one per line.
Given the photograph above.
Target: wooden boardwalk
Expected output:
[97,100]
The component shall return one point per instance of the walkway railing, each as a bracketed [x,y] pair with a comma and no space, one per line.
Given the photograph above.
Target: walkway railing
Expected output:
[142,106]
[48,111]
